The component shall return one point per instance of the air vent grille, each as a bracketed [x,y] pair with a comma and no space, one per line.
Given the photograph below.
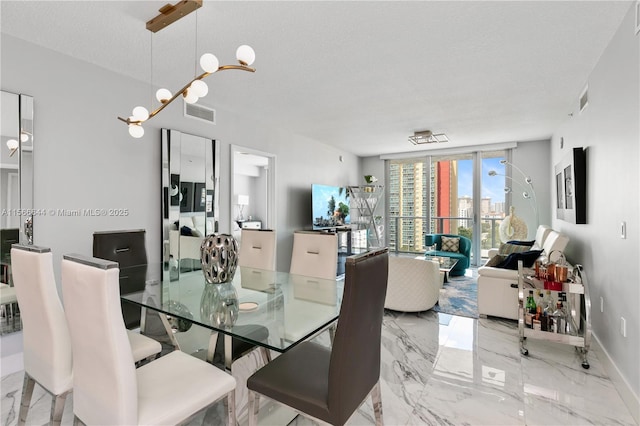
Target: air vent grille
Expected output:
[200,112]
[584,98]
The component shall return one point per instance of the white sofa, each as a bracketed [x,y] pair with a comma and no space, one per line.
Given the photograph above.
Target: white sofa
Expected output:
[189,246]
[498,288]
[414,284]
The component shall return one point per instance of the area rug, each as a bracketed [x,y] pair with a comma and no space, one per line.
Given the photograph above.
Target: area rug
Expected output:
[459,296]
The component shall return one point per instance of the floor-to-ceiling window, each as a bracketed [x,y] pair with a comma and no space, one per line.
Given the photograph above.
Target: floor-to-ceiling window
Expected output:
[446,194]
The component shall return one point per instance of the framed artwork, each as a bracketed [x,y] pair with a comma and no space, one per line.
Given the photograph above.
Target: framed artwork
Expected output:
[186,197]
[209,203]
[199,197]
[174,190]
[571,187]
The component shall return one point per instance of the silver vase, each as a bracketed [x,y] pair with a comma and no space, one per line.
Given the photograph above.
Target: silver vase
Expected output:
[219,305]
[219,258]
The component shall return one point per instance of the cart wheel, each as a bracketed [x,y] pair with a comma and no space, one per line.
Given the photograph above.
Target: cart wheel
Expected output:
[585,365]
[525,351]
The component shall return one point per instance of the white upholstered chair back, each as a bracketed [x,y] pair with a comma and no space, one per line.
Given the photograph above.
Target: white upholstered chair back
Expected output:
[258,249]
[556,241]
[47,345]
[105,386]
[315,254]
[413,284]
[541,235]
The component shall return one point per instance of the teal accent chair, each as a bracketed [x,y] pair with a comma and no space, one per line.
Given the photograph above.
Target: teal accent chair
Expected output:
[464,256]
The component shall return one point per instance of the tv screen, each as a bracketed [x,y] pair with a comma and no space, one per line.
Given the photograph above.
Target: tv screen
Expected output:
[330,206]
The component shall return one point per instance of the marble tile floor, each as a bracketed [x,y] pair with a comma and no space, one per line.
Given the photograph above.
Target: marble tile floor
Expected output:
[439,369]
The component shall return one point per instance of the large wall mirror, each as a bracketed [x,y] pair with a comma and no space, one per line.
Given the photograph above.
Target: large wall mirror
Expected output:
[190,207]
[16,193]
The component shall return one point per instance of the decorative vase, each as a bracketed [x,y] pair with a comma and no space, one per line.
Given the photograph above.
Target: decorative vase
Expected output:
[219,305]
[177,324]
[219,258]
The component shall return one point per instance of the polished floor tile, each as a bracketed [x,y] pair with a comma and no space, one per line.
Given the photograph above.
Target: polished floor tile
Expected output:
[440,369]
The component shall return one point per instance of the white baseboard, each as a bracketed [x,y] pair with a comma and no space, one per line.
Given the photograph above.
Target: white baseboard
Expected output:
[627,394]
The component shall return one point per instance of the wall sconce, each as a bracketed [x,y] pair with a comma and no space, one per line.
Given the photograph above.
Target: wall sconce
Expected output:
[13,145]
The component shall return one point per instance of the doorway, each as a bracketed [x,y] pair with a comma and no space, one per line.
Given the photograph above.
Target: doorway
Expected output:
[253,200]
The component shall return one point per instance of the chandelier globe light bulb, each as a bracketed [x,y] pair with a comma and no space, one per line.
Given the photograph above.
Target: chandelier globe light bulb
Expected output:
[245,55]
[209,63]
[492,173]
[136,130]
[199,88]
[140,113]
[12,144]
[190,97]
[163,95]
[24,137]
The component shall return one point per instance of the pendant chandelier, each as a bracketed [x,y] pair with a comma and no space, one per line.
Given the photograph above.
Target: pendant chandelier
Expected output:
[196,88]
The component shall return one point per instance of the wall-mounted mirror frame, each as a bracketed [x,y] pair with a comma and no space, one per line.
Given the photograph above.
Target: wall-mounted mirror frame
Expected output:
[190,198]
[16,190]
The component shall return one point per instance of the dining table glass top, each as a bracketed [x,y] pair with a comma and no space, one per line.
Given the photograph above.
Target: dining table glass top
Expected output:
[292,307]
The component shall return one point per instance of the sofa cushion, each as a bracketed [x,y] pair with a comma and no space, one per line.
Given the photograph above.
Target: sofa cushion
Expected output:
[514,247]
[451,244]
[495,260]
[527,257]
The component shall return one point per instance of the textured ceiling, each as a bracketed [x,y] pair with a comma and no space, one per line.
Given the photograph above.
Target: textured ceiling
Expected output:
[359,75]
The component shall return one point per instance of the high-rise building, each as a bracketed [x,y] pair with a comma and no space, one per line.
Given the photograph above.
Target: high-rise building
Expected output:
[408,201]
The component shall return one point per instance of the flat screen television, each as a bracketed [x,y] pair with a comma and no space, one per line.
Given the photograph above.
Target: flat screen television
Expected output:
[330,206]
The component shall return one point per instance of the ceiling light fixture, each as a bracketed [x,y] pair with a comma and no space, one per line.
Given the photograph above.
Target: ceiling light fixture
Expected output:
[194,89]
[427,136]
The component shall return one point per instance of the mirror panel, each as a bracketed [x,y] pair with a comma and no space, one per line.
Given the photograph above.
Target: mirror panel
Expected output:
[190,209]
[16,192]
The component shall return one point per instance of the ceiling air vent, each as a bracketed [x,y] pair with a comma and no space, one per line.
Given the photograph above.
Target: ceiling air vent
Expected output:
[584,98]
[200,112]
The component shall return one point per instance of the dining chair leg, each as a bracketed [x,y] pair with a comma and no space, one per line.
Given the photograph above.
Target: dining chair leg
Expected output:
[57,407]
[376,398]
[332,333]
[27,392]
[266,355]
[231,408]
[254,400]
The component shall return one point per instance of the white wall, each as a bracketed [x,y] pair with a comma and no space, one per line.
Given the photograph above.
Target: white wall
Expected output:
[534,159]
[609,128]
[84,157]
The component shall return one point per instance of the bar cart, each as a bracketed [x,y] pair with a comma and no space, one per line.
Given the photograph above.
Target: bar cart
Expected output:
[577,329]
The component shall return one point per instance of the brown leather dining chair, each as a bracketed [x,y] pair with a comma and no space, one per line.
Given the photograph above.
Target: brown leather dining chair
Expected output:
[329,384]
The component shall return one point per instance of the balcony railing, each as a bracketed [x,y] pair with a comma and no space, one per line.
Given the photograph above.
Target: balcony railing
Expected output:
[410,230]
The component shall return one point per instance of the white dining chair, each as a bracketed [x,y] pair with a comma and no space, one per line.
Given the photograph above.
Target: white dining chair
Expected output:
[167,391]
[47,346]
[315,254]
[258,249]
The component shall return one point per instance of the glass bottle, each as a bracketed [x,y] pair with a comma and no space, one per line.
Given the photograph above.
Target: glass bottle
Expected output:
[539,299]
[559,319]
[530,310]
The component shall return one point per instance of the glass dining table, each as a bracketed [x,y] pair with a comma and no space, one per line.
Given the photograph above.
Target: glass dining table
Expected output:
[293,308]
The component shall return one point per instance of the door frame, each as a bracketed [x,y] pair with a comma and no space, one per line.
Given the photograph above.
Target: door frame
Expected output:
[270,221]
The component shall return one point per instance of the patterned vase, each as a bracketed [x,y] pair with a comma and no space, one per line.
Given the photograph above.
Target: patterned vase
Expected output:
[219,258]
[219,305]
